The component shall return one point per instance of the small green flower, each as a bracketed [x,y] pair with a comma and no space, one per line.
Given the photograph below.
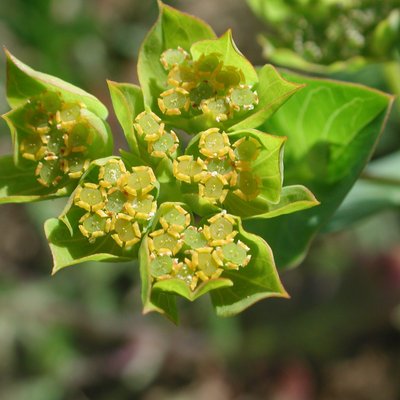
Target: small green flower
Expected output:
[194,238]
[207,263]
[248,185]
[149,126]
[165,146]
[162,266]
[221,229]
[173,57]
[213,187]
[111,173]
[173,101]
[140,181]
[235,255]
[94,225]
[143,207]
[243,98]
[189,170]
[165,242]
[247,149]
[127,230]
[214,144]
[218,108]
[185,273]
[175,217]
[90,197]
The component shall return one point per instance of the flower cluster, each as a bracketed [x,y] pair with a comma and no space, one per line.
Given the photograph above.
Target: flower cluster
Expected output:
[204,86]
[56,135]
[194,255]
[327,31]
[151,131]
[120,204]
[221,167]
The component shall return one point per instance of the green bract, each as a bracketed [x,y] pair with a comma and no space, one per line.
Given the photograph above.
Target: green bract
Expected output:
[205,154]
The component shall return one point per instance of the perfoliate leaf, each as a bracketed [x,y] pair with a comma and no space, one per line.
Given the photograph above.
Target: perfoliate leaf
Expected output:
[173,29]
[332,129]
[229,54]
[23,82]
[256,281]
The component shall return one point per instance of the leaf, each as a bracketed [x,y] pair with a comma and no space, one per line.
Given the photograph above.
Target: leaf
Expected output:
[256,281]
[273,91]
[154,300]
[332,129]
[69,250]
[230,55]
[20,185]
[127,101]
[180,288]
[173,29]
[377,190]
[293,198]
[23,82]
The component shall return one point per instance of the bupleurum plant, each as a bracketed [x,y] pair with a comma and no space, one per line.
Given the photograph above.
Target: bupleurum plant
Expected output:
[327,35]
[196,170]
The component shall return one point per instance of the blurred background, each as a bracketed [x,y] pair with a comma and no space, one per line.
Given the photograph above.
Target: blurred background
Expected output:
[80,335]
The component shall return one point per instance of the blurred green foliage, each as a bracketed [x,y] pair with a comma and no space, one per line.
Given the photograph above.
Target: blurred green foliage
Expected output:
[80,335]
[327,35]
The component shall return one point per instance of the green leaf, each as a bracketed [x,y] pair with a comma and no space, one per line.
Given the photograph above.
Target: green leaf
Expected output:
[173,29]
[180,288]
[127,101]
[20,185]
[273,91]
[229,54]
[154,300]
[376,191]
[256,281]
[293,198]
[332,129]
[23,82]
[69,250]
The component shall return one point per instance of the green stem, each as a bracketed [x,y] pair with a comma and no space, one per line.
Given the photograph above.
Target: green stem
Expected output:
[380,179]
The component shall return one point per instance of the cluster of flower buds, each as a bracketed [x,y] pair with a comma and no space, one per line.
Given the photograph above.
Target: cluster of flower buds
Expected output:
[120,204]
[56,135]
[203,86]
[151,131]
[342,30]
[182,251]
[221,167]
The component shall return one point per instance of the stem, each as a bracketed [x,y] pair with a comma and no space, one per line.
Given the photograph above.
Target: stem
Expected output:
[380,179]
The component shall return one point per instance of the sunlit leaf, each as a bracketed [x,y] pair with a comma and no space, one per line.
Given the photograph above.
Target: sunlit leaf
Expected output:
[332,129]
